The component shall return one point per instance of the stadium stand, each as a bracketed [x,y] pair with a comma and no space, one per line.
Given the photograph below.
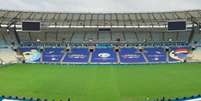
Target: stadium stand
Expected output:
[52,55]
[179,54]
[131,55]
[158,37]
[30,55]
[91,36]
[64,36]
[8,56]
[77,55]
[155,55]
[192,98]
[2,41]
[117,36]
[131,37]
[104,55]
[77,37]
[196,55]
[183,37]
[107,54]
[100,38]
[104,37]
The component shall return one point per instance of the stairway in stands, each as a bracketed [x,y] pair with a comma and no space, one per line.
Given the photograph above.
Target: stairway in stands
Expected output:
[146,60]
[90,57]
[167,57]
[118,57]
[62,59]
[41,58]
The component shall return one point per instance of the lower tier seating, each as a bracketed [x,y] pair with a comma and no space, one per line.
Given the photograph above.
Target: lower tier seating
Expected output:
[53,54]
[104,55]
[155,54]
[77,55]
[7,56]
[131,55]
[107,55]
[179,54]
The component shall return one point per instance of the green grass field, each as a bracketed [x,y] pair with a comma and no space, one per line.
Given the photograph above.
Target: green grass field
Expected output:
[100,82]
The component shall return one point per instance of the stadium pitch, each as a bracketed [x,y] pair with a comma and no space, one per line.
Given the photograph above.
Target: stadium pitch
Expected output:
[100,82]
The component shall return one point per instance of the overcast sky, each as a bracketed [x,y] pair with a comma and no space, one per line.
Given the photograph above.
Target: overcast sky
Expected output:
[100,5]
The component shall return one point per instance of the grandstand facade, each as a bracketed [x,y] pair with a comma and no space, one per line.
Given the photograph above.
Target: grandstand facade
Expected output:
[102,37]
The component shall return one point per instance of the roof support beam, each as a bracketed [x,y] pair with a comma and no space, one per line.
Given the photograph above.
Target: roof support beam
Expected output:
[111,20]
[131,22]
[152,14]
[85,17]
[31,16]
[199,13]
[164,16]
[117,20]
[91,19]
[71,19]
[44,17]
[97,20]
[177,16]
[14,20]
[104,19]
[78,20]
[142,19]
[17,16]
[53,19]
[5,15]
[149,16]
[192,18]
[137,20]
[66,18]
[164,19]
[124,20]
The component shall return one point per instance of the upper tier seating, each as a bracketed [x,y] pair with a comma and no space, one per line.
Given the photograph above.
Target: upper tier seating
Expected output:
[131,37]
[2,42]
[117,36]
[91,37]
[104,37]
[197,37]
[78,37]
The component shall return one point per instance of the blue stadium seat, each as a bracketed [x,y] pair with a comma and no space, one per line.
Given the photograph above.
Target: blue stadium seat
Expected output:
[77,55]
[104,55]
[131,55]
[155,55]
[53,54]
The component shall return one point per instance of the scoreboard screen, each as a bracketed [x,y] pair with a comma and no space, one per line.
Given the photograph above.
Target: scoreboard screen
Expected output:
[104,29]
[177,25]
[30,26]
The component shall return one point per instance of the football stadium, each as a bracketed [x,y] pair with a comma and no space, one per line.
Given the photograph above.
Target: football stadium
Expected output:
[59,56]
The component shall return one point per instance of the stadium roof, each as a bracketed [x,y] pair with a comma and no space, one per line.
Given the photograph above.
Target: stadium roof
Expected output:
[56,19]
[100,5]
